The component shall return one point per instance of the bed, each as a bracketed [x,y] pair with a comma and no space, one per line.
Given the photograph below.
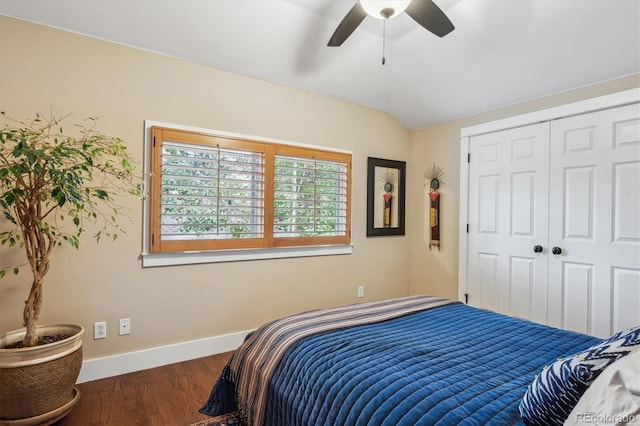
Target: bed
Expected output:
[415,360]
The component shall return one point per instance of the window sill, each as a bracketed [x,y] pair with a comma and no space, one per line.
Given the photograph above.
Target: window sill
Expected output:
[188,258]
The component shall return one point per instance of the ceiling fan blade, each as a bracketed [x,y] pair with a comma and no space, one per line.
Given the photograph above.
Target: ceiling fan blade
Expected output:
[430,16]
[348,25]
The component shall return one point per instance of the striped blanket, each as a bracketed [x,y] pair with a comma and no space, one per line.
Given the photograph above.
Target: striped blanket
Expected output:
[244,381]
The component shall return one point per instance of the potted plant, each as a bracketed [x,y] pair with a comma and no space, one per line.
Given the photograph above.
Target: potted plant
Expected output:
[52,185]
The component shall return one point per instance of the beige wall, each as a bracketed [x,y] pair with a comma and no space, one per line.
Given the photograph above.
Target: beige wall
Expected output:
[43,69]
[436,272]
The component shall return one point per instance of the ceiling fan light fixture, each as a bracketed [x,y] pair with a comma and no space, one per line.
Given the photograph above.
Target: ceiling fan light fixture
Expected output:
[384,9]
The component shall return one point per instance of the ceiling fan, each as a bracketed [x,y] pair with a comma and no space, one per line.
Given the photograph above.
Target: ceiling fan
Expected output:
[424,12]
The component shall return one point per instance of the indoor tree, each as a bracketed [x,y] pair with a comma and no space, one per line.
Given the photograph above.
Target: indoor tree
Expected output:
[53,183]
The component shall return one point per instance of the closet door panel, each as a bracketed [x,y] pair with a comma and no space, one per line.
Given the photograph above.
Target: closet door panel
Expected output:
[626,223]
[508,205]
[594,206]
[626,297]
[577,293]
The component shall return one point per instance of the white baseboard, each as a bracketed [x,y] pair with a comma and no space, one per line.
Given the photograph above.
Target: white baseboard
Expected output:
[99,368]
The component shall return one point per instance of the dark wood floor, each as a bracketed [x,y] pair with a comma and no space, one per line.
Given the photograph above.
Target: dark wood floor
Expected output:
[169,395]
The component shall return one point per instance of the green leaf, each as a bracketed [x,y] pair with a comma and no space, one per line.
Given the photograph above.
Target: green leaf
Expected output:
[58,195]
[10,218]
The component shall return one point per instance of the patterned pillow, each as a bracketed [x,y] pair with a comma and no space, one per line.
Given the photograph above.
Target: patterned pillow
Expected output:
[556,390]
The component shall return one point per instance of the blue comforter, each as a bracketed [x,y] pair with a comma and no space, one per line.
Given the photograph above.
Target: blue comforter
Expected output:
[449,365]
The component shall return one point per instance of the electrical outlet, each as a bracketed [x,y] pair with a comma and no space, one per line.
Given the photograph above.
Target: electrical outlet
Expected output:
[99,330]
[124,326]
[361,291]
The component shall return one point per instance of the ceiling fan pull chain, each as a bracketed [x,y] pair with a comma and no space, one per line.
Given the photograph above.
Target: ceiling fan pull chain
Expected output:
[384,34]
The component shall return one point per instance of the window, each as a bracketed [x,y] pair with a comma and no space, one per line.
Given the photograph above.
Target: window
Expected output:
[220,193]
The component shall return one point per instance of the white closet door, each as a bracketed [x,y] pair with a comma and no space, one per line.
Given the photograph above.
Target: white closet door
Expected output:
[594,282]
[508,215]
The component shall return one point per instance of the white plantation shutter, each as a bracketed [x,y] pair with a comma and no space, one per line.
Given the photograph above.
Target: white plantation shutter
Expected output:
[310,197]
[219,193]
[211,193]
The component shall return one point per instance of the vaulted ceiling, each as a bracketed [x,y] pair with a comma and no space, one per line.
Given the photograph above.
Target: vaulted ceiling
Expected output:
[501,52]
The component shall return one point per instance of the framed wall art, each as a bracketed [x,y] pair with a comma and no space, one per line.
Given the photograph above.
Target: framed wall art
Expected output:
[386,181]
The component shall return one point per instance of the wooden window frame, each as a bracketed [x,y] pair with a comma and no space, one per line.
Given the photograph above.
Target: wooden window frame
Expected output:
[157,245]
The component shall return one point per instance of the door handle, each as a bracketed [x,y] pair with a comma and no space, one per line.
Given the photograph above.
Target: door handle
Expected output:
[537,249]
[556,250]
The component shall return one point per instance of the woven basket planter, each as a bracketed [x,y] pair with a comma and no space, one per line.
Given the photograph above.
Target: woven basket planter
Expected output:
[37,384]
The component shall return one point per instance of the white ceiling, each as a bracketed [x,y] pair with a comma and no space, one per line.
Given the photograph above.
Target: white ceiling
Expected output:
[502,51]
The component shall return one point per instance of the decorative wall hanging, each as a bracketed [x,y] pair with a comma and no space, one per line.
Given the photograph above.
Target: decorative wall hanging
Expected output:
[385,197]
[434,176]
